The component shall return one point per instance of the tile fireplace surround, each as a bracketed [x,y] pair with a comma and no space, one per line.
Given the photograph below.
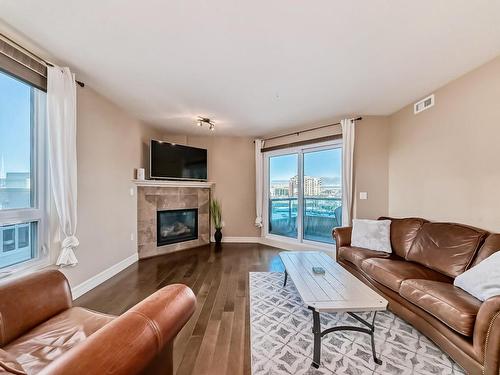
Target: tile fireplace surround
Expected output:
[155,196]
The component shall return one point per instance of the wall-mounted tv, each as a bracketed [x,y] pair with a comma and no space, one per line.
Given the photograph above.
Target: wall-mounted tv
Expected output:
[177,162]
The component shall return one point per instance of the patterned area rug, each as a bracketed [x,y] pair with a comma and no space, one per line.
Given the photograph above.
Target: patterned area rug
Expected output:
[282,340]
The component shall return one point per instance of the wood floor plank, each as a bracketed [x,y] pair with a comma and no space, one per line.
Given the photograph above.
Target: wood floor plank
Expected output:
[183,338]
[206,311]
[221,353]
[237,344]
[207,348]
[216,340]
[187,364]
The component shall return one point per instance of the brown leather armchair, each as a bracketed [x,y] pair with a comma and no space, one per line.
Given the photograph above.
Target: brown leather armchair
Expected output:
[42,333]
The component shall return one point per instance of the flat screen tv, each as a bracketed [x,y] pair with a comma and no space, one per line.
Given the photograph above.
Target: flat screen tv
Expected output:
[177,162]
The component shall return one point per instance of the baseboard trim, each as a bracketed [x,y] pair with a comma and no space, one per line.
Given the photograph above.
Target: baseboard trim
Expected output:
[101,277]
[285,245]
[238,239]
[241,239]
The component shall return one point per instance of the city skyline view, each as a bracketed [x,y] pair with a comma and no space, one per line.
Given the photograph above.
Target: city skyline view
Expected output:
[15,125]
[322,170]
[16,243]
[15,143]
[317,164]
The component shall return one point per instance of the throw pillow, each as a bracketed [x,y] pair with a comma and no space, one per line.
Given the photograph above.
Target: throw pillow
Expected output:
[9,363]
[372,234]
[482,280]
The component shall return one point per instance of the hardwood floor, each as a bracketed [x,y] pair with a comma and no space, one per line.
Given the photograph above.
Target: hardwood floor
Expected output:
[216,340]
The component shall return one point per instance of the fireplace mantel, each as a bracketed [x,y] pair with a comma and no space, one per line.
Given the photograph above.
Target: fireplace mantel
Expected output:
[174,183]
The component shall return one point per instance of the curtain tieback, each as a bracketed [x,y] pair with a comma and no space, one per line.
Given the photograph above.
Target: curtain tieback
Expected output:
[258,222]
[70,242]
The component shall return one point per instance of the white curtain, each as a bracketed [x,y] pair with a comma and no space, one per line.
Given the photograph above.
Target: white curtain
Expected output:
[61,123]
[259,181]
[347,170]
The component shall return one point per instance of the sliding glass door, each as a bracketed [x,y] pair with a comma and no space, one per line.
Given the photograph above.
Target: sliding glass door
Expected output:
[304,192]
[283,195]
[322,194]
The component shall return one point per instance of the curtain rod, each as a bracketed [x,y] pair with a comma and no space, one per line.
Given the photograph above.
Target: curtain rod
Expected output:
[33,55]
[307,130]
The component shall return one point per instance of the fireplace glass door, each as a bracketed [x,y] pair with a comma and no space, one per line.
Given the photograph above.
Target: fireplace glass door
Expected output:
[177,226]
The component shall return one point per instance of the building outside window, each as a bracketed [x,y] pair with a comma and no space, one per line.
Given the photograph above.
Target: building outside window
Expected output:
[22,174]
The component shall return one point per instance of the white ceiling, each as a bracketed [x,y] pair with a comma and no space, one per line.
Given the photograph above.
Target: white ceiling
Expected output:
[261,66]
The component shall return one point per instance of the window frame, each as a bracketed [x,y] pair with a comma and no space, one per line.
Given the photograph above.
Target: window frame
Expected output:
[39,188]
[299,150]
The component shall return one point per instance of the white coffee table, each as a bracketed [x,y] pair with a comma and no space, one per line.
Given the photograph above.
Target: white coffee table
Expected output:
[335,291]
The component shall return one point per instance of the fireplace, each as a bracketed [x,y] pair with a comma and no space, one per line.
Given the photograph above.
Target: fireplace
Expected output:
[176,226]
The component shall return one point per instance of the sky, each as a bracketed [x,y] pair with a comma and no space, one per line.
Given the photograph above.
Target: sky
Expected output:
[14,124]
[325,163]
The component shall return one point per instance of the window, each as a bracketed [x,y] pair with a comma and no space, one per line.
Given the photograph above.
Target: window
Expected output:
[304,192]
[283,195]
[22,173]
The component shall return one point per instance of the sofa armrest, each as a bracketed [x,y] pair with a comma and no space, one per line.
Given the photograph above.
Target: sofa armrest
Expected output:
[487,335]
[131,342]
[342,237]
[29,300]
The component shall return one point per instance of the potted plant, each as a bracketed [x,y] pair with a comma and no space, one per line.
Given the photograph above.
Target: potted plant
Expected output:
[216,214]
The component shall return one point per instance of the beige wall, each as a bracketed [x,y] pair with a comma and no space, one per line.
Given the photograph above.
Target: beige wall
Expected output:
[371,172]
[110,144]
[444,163]
[231,165]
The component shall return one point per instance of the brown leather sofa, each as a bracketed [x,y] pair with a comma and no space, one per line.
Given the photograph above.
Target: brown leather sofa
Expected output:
[41,332]
[417,280]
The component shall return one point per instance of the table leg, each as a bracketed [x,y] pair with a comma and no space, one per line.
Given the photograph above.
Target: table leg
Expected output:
[286,278]
[317,338]
[318,334]
[377,360]
[370,331]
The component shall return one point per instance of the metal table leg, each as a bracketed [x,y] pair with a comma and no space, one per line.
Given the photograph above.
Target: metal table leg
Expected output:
[317,338]
[318,334]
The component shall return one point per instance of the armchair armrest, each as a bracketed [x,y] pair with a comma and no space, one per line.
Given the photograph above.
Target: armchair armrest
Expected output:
[133,341]
[342,237]
[486,338]
[29,300]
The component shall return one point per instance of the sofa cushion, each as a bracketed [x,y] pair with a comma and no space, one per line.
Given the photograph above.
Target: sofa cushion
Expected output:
[403,233]
[491,245]
[445,247]
[46,342]
[356,255]
[392,272]
[451,305]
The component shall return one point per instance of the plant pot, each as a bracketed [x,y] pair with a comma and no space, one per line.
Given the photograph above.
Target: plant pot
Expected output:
[218,236]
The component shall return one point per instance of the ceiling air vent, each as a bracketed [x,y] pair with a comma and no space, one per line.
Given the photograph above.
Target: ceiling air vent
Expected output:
[424,104]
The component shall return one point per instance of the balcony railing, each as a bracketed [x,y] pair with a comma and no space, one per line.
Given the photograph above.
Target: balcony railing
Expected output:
[321,215]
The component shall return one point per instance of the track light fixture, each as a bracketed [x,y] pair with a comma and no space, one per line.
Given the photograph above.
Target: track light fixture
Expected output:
[204,120]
